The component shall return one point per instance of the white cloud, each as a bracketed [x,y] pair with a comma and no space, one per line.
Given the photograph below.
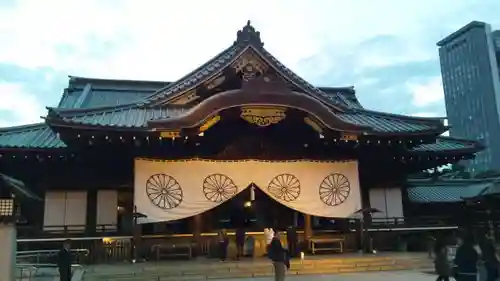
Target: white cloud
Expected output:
[426,93]
[156,40]
[23,107]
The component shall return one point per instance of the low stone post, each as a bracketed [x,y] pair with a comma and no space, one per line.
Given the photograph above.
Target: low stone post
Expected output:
[8,239]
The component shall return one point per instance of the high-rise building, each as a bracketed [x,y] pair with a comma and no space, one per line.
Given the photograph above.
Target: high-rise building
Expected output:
[470,61]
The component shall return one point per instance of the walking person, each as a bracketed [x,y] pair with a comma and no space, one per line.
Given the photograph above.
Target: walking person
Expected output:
[466,260]
[240,242]
[279,257]
[64,261]
[489,258]
[223,243]
[441,263]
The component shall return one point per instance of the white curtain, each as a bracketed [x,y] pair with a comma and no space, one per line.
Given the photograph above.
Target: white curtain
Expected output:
[55,210]
[171,190]
[65,209]
[76,210]
[107,210]
[323,189]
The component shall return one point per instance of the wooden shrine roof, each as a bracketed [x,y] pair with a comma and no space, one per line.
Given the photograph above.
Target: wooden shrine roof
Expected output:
[41,136]
[124,104]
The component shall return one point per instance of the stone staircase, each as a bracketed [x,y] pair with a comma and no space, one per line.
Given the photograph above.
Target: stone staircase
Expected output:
[205,270]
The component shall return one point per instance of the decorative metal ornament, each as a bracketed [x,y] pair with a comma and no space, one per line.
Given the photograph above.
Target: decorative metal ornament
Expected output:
[334,189]
[249,63]
[263,116]
[164,191]
[219,188]
[285,187]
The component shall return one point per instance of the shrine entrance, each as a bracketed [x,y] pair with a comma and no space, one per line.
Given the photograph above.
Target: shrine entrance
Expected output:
[254,210]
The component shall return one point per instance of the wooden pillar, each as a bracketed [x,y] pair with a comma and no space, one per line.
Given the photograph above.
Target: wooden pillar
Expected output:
[365,236]
[91,217]
[307,227]
[137,237]
[295,218]
[197,230]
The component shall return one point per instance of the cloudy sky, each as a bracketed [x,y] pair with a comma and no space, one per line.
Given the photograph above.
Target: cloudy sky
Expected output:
[386,48]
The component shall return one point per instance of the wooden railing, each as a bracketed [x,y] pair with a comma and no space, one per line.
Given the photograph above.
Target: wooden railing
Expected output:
[412,223]
[111,247]
[66,230]
[48,257]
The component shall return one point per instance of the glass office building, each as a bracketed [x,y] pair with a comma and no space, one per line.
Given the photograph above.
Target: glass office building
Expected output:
[470,61]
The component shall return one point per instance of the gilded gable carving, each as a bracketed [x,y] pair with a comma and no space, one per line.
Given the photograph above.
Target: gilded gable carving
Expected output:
[249,64]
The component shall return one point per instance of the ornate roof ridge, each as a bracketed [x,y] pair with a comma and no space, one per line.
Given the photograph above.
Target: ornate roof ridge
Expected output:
[248,35]
[199,71]
[244,37]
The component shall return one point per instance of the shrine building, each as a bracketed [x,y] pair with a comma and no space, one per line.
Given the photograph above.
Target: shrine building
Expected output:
[240,132]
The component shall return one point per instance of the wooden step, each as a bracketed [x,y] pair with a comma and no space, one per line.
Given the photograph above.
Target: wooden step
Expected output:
[193,271]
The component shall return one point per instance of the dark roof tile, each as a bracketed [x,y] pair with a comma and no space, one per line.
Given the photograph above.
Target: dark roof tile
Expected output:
[30,136]
[124,116]
[446,193]
[389,123]
[210,68]
[449,144]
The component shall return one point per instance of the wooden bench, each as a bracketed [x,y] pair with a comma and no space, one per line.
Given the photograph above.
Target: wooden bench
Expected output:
[172,250]
[326,244]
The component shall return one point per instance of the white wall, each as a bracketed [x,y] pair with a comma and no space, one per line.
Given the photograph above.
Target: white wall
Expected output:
[388,200]
[65,208]
[107,210]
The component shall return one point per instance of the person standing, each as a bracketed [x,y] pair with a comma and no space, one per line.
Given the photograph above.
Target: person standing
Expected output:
[223,243]
[268,236]
[291,239]
[279,257]
[489,258]
[466,260]
[64,261]
[240,242]
[441,263]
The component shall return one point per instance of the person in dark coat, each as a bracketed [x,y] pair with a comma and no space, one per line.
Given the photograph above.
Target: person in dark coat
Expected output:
[240,242]
[466,260]
[490,259]
[64,261]
[279,257]
[223,243]
[441,263]
[291,239]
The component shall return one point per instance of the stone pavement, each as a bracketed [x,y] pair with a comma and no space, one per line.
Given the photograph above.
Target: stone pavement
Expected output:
[372,276]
